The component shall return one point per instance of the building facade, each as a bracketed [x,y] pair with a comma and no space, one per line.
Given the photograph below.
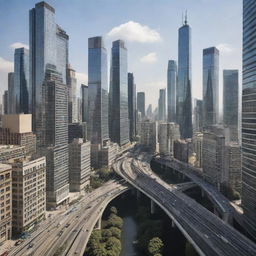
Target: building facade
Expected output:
[118,95]
[77,130]
[248,117]
[141,103]
[148,135]
[171,90]
[72,99]
[79,164]
[5,202]
[198,115]
[162,105]
[230,102]
[210,86]
[85,96]
[132,105]
[28,192]
[11,94]
[21,82]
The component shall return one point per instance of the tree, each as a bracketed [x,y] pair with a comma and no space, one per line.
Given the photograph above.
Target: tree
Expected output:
[114,245]
[116,232]
[114,221]
[155,246]
[113,210]
[106,233]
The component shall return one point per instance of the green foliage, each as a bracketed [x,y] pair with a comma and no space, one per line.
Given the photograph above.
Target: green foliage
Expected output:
[116,232]
[114,221]
[155,246]
[114,245]
[113,210]
[106,233]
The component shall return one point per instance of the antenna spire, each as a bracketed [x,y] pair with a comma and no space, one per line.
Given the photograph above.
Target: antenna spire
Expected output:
[186,18]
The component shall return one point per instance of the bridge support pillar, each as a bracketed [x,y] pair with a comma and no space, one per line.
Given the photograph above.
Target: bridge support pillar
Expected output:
[152,207]
[98,223]
[226,218]
[173,224]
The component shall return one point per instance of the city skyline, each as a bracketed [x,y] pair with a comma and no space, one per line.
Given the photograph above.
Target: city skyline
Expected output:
[148,53]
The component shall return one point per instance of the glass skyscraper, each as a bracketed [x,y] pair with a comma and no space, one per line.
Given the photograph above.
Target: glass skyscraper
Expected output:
[141,103]
[230,102]
[11,94]
[84,95]
[184,81]
[48,44]
[249,117]
[210,86]
[162,105]
[21,81]
[171,90]
[119,122]
[132,105]
[98,131]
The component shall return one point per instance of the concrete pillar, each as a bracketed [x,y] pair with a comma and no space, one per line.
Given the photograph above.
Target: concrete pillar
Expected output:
[173,224]
[152,207]
[225,217]
[98,223]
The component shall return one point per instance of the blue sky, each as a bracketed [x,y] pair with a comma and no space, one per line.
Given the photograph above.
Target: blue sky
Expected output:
[149,27]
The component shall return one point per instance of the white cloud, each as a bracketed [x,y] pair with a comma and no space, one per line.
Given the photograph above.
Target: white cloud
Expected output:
[82,78]
[6,65]
[19,45]
[134,32]
[149,58]
[225,48]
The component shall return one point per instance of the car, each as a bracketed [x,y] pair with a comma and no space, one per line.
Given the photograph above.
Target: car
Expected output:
[30,245]
[18,242]
[67,225]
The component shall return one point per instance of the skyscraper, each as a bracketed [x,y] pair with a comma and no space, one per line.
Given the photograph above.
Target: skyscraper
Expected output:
[11,96]
[84,95]
[98,131]
[248,117]
[118,95]
[48,45]
[210,86]
[198,115]
[171,90]
[132,105]
[21,101]
[72,100]
[162,105]
[5,102]
[184,78]
[230,102]
[141,103]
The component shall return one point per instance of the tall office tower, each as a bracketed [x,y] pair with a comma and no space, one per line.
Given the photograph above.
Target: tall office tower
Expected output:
[230,102]
[148,135]
[149,112]
[132,105]
[28,194]
[55,137]
[21,103]
[98,131]
[8,152]
[84,96]
[248,117]
[210,86]
[197,141]
[118,95]
[198,115]
[182,150]
[5,102]
[171,90]
[17,130]
[6,202]
[79,109]
[162,105]
[79,164]
[184,81]
[11,96]
[141,103]
[72,100]
[48,45]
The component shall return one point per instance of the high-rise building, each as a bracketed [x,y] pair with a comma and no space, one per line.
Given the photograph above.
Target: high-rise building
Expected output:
[162,105]
[5,102]
[198,115]
[118,95]
[28,192]
[132,105]
[230,102]
[21,103]
[79,164]
[11,96]
[141,103]
[79,109]
[8,152]
[182,150]
[77,130]
[84,96]
[171,90]
[98,131]
[55,137]
[198,148]
[148,135]
[183,99]
[248,117]
[210,86]
[17,130]
[48,45]
[6,202]
[72,101]
[149,112]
